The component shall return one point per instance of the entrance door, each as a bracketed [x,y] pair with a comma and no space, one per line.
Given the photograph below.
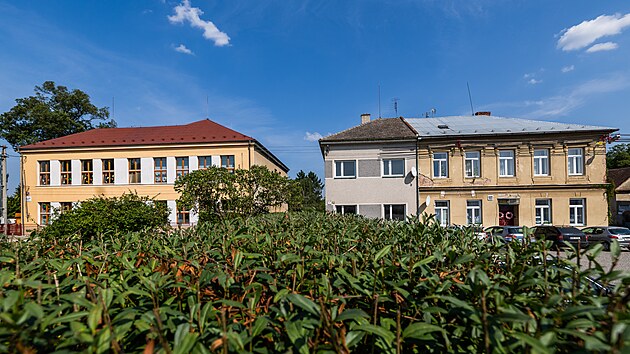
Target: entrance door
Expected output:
[508,215]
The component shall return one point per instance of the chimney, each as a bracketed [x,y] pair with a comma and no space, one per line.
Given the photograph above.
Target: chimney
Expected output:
[365,118]
[485,113]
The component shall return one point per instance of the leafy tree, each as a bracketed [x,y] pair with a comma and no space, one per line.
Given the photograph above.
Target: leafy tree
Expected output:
[53,112]
[14,203]
[618,156]
[101,215]
[216,193]
[310,188]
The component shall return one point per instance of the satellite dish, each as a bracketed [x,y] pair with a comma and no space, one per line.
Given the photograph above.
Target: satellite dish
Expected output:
[413,171]
[428,200]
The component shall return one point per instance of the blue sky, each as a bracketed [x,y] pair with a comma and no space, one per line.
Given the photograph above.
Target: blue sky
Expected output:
[287,72]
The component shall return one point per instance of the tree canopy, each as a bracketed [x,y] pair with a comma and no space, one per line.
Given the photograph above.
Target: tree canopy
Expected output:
[53,111]
[618,156]
[311,187]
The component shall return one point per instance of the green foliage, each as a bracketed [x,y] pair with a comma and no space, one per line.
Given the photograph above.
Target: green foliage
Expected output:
[304,282]
[216,193]
[618,156]
[101,215]
[14,203]
[310,189]
[53,112]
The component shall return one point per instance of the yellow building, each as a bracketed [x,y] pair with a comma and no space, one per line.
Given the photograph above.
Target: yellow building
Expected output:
[473,169]
[60,172]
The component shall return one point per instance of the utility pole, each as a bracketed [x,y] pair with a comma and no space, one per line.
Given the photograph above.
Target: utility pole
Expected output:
[4,188]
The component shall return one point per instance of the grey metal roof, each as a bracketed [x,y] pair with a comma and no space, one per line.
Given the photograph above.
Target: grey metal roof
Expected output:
[491,125]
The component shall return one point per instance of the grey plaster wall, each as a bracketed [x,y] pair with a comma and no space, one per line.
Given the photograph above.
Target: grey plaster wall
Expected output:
[328,169]
[370,210]
[369,168]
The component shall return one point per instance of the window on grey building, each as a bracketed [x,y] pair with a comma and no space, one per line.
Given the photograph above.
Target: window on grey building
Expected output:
[394,211]
[393,167]
[346,209]
[346,169]
[472,164]
[440,164]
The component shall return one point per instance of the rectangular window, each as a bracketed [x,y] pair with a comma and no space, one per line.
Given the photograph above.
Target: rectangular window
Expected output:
[108,171]
[473,212]
[577,214]
[44,213]
[440,164]
[345,169]
[66,172]
[183,216]
[472,165]
[543,211]
[227,161]
[576,161]
[506,163]
[159,170]
[181,166]
[44,173]
[346,209]
[541,162]
[65,206]
[135,171]
[442,212]
[87,172]
[393,168]
[394,212]
[205,162]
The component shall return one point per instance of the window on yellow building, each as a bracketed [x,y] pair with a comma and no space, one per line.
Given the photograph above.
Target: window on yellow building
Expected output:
[506,163]
[472,164]
[183,216]
[159,170]
[181,168]
[135,171]
[442,212]
[577,212]
[473,212]
[543,211]
[576,161]
[227,161]
[44,213]
[66,172]
[108,171]
[65,206]
[541,162]
[44,173]
[440,164]
[205,162]
[87,172]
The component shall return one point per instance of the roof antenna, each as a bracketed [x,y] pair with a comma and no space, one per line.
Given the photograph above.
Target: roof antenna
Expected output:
[207,108]
[433,111]
[395,100]
[379,100]
[113,108]
[472,111]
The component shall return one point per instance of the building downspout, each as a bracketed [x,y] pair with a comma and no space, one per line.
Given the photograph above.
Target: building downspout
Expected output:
[417,186]
[23,202]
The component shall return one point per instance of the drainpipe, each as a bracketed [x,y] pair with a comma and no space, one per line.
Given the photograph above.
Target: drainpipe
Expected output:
[417,186]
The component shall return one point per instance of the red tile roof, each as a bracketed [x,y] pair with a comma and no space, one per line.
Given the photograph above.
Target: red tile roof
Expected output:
[203,131]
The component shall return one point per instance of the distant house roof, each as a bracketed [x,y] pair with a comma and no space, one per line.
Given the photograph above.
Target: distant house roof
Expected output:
[618,177]
[203,131]
[491,125]
[378,129]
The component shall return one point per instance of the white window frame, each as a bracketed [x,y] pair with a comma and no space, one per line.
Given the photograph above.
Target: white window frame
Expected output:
[388,215]
[540,211]
[343,162]
[541,163]
[473,212]
[473,160]
[386,168]
[575,162]
[442,165]
[443,212]
[577,210]
[343,209]
[507,162]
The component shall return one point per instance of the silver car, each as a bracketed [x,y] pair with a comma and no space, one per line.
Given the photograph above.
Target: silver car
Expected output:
[605,235]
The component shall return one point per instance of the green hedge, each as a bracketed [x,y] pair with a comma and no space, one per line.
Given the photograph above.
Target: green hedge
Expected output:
[304,282]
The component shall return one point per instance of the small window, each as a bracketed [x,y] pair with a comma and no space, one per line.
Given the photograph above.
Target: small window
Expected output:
[346,209]
[65,207]
[66,172]
[44,213]
[345,169]
[472,164]
[394,212]
[541,162]
[576,161]
[159,170]
[543,211]
[440,164]
[577,212]
[506,163]
[44,173]
[87,172]
[442,212]
[181,168]
[135,171]
[473,212]
[393,167]
[227,161]
[183,216]
[108,171]
[205,162]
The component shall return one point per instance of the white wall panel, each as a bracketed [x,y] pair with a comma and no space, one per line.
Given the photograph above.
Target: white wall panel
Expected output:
[55,173]
[121,171]
[146,165]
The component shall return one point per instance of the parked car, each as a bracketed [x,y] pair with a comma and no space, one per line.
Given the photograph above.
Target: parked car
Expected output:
[508,233]
[560,234]
[605,235]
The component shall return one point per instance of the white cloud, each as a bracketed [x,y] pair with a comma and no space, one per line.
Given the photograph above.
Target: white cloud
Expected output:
[582,35]
[315,136]
[534,81]
[184,12]
[182,49]
[568,68]
[599,47]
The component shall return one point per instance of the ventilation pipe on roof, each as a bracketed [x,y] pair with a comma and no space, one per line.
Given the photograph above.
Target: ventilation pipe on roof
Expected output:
[365,117]
[485,113]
